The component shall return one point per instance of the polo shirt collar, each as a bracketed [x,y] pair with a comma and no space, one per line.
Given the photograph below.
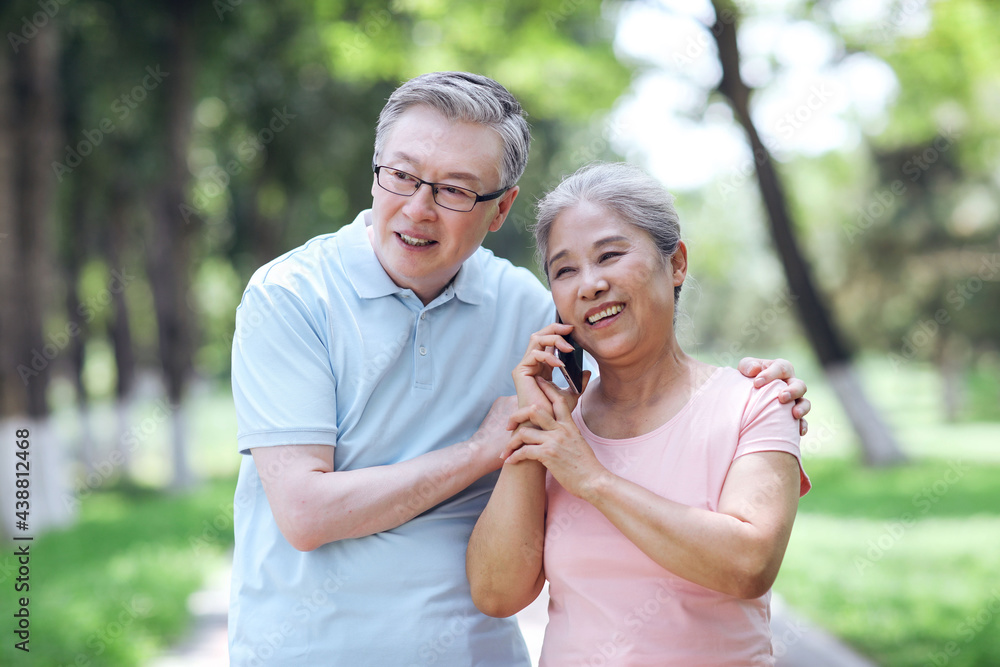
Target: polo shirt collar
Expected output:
[371,281]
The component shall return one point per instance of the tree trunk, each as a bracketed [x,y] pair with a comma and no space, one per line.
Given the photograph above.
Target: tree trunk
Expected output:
[73,254]
[170,249]
[30,135]
[12,397]
[119,327]
[36,136]
[878,442]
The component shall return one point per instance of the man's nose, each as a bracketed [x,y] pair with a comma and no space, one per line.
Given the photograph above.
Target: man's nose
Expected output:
[420,205]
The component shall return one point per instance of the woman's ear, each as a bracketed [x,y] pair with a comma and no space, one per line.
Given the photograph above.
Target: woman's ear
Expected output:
[679,263]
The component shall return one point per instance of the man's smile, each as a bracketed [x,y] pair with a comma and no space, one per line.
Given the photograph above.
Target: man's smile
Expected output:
[414,241]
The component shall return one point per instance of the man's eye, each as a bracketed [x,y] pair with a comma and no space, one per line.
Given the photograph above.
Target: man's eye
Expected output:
[401,175]
[451,190]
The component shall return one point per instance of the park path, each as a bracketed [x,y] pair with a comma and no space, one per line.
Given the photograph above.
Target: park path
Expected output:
[797,642]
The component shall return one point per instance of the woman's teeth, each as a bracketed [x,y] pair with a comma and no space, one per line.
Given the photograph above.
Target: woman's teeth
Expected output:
[607,312]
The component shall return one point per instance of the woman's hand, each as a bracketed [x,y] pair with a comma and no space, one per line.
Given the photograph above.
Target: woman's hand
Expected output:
[538,362]
[555,441]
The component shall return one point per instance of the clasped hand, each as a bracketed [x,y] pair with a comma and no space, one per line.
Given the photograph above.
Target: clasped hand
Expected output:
[544,430]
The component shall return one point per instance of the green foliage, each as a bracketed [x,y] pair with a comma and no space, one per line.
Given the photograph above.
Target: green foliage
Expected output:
[112,590]
[900,583]
[897,561]
[284,104]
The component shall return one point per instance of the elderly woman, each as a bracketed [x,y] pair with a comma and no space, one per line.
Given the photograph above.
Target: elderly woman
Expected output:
[658,504]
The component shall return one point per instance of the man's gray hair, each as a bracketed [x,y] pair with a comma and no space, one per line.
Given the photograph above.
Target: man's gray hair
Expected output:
[632,194]
[470,98]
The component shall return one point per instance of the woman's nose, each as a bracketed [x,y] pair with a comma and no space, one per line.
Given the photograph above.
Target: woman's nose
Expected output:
[594,285]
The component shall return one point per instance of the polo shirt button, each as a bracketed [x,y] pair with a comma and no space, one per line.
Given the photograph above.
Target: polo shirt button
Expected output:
[423,350]
[423,316]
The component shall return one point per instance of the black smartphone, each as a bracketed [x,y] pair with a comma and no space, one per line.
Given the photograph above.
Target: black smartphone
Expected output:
[573,370]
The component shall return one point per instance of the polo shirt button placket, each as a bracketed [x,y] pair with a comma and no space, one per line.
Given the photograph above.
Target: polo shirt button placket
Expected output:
[424,364]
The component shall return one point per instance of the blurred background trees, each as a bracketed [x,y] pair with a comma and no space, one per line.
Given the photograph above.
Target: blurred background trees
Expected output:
[159,152]
[154,154]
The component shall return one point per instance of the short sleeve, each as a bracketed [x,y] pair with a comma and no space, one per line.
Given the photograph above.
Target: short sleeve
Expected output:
[283,383]
[768,426]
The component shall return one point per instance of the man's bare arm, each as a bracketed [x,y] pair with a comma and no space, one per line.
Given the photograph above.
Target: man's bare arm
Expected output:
[313,504]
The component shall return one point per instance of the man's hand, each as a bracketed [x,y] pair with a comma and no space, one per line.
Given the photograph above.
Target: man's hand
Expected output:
[768,370]
[492,435]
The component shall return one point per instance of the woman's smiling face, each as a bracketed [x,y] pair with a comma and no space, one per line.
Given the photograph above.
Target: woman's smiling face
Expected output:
[610,281]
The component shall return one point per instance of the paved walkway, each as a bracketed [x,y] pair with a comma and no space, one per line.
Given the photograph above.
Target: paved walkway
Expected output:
[797,643]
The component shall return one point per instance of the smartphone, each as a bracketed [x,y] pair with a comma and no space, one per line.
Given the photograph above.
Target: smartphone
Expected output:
[573,370]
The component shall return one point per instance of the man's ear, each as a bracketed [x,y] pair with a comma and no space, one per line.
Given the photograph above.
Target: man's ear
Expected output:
[503,208]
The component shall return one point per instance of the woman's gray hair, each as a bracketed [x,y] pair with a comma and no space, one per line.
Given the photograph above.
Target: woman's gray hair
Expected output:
[632,194]
[470,98]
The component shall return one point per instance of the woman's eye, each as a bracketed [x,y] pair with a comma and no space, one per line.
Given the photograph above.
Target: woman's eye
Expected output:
[562,271]
[609,255]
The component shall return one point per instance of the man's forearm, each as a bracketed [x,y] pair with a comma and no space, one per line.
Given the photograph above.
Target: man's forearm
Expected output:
[314,505]
[355,503]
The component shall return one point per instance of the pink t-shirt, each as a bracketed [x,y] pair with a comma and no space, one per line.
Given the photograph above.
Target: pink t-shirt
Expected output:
[610,604]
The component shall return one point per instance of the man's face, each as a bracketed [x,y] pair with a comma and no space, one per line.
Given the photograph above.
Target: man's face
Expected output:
[420,244]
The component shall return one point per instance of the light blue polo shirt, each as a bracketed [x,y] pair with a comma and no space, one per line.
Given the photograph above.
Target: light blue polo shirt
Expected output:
[328,350]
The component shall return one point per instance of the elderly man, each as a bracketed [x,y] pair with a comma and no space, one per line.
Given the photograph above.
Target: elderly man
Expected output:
[371,374]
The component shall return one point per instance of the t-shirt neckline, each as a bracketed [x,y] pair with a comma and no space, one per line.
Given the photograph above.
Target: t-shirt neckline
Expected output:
[590,435]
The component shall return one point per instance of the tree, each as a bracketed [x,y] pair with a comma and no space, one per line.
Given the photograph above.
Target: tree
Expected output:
[878,443]
[29,130]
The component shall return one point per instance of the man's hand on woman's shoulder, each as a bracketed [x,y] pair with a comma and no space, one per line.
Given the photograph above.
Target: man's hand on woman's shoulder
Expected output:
[768,370]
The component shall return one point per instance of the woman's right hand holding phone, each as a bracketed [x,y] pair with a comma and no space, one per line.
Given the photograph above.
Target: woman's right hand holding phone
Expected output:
[538,361]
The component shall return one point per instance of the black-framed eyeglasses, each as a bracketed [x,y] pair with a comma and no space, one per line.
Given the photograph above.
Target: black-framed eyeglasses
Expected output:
[451,197]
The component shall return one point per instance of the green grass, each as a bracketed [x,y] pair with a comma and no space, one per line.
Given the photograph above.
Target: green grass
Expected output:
[902,563]
[113,589]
